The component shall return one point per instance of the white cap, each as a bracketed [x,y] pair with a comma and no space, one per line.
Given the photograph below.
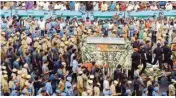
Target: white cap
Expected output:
[12,34]
[69,78]
[115,82]
[90,81]
[14,70]
[4,72]
[26,65]
[5,76]
[91,76]
[19,72]
[3,67]
[63,63]
[28,76]
[98,84]
[80,72]
[129,82]
[3,33]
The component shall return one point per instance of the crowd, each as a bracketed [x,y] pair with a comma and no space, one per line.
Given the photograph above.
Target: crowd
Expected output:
[43,57]
[90,5]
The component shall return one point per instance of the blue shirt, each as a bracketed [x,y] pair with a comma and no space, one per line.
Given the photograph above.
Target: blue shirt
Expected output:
[16,65]
[14,93]
[112,7]
[75,66]
[66,85]
[49,88]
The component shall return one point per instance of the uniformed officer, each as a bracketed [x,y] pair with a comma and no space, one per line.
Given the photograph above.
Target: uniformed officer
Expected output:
[5,86]
[61,85]
[135,61]
[148,51]
[158,55]
[22,80]
[97,89]
[80,83]
[167,53]
[143,57]
[90,87]
[113,88]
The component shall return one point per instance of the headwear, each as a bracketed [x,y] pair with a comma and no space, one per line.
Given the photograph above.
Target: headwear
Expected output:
[26,65]
[115,82]
[66,42]
[14,70]
[3,67]
[80,72]
[139,67]
[5,76]
[158,44]
[150,77]
[69,78]
[58,91]
[129,82]
[164,94]
[165,42]
[19,72]
[63,39]
[156,89]
[28,76]
[4,72]
[63,94]
[98,84]
[91,76]
[128,92]
[23,75]
[90,81]
[3,33]
[63,63]
[18,33]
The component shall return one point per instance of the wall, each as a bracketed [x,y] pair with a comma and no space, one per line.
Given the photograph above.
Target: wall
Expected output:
[98,14]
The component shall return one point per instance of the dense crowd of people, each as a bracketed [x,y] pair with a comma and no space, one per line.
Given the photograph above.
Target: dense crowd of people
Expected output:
[90,5]
[43,58]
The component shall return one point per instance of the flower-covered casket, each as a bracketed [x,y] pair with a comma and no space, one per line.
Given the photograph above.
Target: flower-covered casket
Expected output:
[107,51]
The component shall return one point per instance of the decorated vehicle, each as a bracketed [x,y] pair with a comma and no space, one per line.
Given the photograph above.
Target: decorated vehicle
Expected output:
[107,52]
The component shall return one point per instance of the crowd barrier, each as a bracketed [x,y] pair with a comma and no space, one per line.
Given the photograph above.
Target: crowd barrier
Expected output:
[94,14]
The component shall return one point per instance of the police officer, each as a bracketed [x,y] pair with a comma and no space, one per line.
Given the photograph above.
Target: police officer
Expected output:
[97,89]
[167,54]
[158,55]
[143,57]
[80,83]
[135,61]
[148,51]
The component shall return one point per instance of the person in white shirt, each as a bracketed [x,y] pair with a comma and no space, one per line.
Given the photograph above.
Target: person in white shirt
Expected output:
[77,5]
[96,8]
[168,6]
[57,6]
[104,6]
[63,7]
[154,7]
[45,5]
[106,84]
[136,7]
[130,6]
[41,23]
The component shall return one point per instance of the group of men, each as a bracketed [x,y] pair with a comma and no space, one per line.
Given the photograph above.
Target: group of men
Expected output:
[43,57]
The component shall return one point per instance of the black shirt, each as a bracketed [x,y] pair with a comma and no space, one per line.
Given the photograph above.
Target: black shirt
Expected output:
[158,51]
[166,50]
